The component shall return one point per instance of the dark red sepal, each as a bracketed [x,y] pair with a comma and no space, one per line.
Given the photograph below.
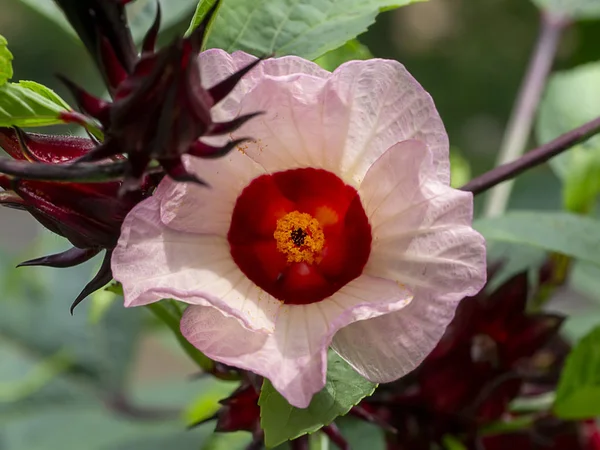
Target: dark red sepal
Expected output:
[69,258]
[240,411]
[150,39]
[102,278]
[102,26]
[202,150]
[93,106]
[224,88]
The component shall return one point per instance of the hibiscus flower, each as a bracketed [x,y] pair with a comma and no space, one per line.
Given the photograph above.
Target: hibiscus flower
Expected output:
[336,226]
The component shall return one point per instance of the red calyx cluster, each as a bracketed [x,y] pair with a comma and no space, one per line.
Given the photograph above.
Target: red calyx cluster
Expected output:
[89,215]
[159,111]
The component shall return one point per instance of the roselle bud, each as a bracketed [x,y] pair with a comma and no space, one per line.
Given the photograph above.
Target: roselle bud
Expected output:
[240,411]
[89,215]
[102,26]
[160,109]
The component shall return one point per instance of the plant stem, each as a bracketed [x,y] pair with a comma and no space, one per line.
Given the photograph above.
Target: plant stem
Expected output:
[170,314]
[521,119]
[532,158]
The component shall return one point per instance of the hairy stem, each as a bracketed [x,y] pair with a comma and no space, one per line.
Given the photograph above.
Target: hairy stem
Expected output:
[521,120]
[532,158]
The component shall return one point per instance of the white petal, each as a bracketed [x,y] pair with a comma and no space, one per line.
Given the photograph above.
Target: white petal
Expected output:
[343,123]
[421,227]
[216,65]
[294,356]
[422,238]
[382,104]
[292,132]
[153,262]
[197,209]
[388,347]
[295,372]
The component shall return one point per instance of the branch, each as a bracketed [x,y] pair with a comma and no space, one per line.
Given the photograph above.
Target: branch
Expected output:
[532,158]
[521,119]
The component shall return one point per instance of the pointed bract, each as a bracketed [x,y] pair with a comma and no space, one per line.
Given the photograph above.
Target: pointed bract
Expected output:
[69,258]
[102,25]
[150,39]
[102,278]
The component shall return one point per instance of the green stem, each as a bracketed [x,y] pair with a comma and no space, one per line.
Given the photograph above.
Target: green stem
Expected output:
[169,312]
[318,441]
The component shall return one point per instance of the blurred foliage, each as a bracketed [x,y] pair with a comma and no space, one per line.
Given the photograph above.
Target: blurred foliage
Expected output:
[573,98]
[60,372]
[578,394]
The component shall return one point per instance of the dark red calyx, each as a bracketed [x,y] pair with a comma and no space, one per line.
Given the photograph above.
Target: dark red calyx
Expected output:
[300,234]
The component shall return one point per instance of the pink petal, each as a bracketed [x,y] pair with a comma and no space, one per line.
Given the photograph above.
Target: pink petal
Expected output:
[216,65]
[196,209]
[421,227]
[153,262]
[382,104]
[294,356]
[388,347]
[421,238]
[343,123]
[292,132]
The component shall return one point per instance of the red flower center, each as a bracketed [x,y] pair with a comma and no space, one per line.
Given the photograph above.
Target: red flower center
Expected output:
[300,235]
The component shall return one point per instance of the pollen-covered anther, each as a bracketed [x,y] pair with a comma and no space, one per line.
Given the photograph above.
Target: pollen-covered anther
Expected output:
[300,237]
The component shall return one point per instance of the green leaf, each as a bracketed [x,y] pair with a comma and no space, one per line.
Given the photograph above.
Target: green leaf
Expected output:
[516,259]
[578,393]
[582,182]
[228,441]
[575,9]
[45,92]
[351,50]
[6,57]
[140,14]
[201,12]
[579,323]
[452,443]
[282,422]
[308,29]
[361,435]
[585,278]
[29,104]
[207,404]
[533,403]
[572,98]
[460,168]
[560,232]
